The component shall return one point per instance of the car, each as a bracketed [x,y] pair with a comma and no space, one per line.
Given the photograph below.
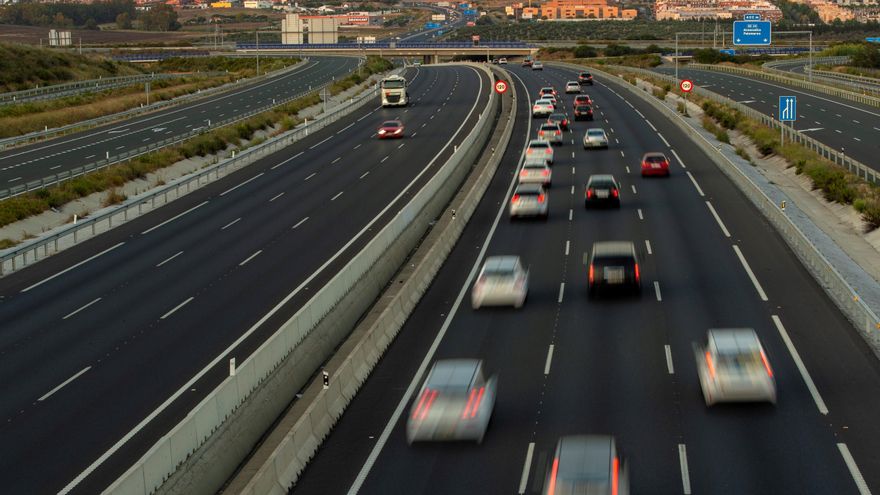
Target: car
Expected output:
[417,64]
[587,464]
[602,190]
[733,367]
[550,132]
[537,65]
[583,112]
[502,61]
[454,403]
[527,62]
[390,129]
[559,118]
[535,172]
[655,163]
[540,147]
[495,61]
[572,87]
[585,78]
[529,200]
[582,100]
[613,268]
[502,282]
[595,138]
[543,108]
[547,91]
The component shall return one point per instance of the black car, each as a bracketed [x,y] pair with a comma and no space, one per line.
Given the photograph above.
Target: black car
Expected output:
[583,112]
[602,190]
[613,267]
[558,118]
[585,78]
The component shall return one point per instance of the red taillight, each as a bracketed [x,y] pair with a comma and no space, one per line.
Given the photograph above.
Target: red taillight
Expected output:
[524,173]
[710,364]
[473,403]
[515,198]
[645,165]
[637,272]
[545,173]
[548,151]
[558,132]
[551,487]
[615,477]
[615,193]
[766,364]
[540,198]
[591,274]
[428,397]
[665,164]
[589,193]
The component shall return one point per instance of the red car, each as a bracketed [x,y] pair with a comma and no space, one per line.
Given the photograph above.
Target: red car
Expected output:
[655,164]
[583,112]
[390,129]
[582,100]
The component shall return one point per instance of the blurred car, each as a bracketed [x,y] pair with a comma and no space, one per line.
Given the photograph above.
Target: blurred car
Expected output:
[587,465]
[583,112]
[502,282]
[495,61]
[585,78]
[582,100]
[535,172]
[602,190]
[502,61]
[553,100]
[655,163]
[455,403]
[543,108]
[390,129]
[550,132]
[613,267]
[733,367]
[537,65]
[547,91]
[572,87]
[529,200]
[527,62]
[595,138]
[559,118]
[540,147]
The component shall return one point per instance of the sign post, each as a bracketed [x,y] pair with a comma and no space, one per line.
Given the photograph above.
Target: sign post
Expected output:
[787,113]
[500,87]
[686,86]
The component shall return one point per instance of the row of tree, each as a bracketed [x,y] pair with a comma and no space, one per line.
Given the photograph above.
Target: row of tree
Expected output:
[89,15]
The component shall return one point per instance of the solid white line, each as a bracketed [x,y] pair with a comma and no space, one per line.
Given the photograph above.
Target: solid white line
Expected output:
[570,213]
[633,186]
[680,161]
[310,176]
[230,224]
[664,140]
[751,274]
[549,359]
[650,124]
[641,217]
[657,291]
[526,468]
[300,222]
[648,246]
[340,131]
[800,365]
[203,203]
[184,303]
[320,143]
[285,161]
[74,377]
[561,291]
[169,259]
[718,219]
[62,272]
[337,195]
[669,360]
[276,196]
[224,193]
[81,308]
[640,114]
[365,174]
[250,257]
[685,477]
[699,190]
[853,469]
[567,243]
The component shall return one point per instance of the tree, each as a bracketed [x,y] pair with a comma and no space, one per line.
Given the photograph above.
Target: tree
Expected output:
[161,17]
[866,56]
[585,51]
[60,21]
[123,21]
[92,24]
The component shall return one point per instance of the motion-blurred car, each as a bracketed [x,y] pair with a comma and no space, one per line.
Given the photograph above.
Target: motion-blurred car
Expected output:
[583,112]
[455,403]
[587,465]
[540,147]
[559,118]
[613,267]
[502,282]
[582,100]
[390,129]
[502,61]
[595,138]
[550,132]
[529,200]
[547,91]
[572,87]
[542,108]
[537,65]
[655,163]
[585,78]
[527,62]
[553,100]
[733,367]
[602,190]
[535,172]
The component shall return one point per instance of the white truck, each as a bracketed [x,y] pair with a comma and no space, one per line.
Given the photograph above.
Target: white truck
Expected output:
[438,17]
[394,93]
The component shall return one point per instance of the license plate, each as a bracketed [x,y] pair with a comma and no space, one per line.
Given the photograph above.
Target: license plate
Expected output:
[601,194]
[655,165]
[614,274]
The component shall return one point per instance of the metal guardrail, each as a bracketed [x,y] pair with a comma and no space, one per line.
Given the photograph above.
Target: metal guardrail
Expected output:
[83,87]
[382,44]
[30,252]
[865,85]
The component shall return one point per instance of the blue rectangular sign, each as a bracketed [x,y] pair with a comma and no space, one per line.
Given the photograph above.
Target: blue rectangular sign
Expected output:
[752,17]
[464,5]
[470,12]
[751,33]
[873,40]
[728,51]
[787,108]
[431,25]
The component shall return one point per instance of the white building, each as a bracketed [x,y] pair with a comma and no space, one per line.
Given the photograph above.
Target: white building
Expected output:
[257,4]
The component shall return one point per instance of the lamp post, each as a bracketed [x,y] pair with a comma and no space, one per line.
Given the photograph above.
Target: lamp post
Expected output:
[258,51]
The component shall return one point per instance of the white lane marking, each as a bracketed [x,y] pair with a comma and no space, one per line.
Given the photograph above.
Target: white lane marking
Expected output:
[621,153]
[320,143]
[641,216]
[567,245]
[751,274]
[699,190]
[358,146]
[570,213]
[633,187]
[612,129]
[669,359]
[527,465]
[616,140]
[820,404]
[627,168]
[572,189]
[59,387]
[365,174]
[641,114]
[285,161]
[685,476]
[175,217]
[80,309]
[336,160]
[15,179]
[857,139]
[561,292]
[184,303]
[572,171]
[680,161]
[224,193]
[838,131]
[648,246]
[652,125]
[230,224]
[62,272]
[657,291]
[718,219]
[276,196]
[401,145]
[90,156]
[250,258]
[853,469]
[310,176]
[340,131]
[383,160]
[549,359]
[169,259]
[337,195]
[664,140]
[300,223]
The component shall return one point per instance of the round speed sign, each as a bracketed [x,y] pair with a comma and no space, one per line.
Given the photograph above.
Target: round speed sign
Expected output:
[500,87]
[686,85]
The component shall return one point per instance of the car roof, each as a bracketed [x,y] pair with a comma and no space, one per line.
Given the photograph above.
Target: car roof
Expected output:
[613,248]
[734,340]
[535,164]
[653,153]
[584,457]
[573,83]
[596,130]
[452,373]
[501,263]
[544,100]
[529,188]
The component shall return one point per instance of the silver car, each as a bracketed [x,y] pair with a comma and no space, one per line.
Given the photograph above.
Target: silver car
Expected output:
[587,465]
[455,403]
[543,108]
[535,172]
[595,138]
[733,367]
[540,147]
[502,282]
[550,132]
[537,65]
[572,87]
[529,200]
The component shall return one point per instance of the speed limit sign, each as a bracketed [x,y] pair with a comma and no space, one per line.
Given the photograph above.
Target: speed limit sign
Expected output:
[500,87]
[686,85]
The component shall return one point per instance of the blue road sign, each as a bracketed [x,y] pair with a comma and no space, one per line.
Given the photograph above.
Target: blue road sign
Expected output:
[752,17]
[751,33]
[873,40]
[431,25]
[470,12]
[787,108]
[728,51]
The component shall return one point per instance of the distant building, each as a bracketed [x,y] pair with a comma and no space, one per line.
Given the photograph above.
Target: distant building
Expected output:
[257,4]
[679,10]
[221,5]
[575,9]
[320,29]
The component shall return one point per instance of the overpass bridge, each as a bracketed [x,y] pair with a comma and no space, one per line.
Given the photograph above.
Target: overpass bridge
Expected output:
[429,52]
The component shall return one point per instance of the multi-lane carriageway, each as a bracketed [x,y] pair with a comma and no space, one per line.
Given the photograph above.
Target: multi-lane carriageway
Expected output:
[106,346]
[569,365]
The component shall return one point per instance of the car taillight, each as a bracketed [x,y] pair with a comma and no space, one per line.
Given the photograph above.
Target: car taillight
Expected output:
[540,198]
[766,364]
[615,476]
[710,364]
[548,151]
[473,403]
[637,272]
[615,193]
[545,173]
[428,397]
[591,274]
[551,486]
[589,193]
[558,132]
[524,173]
[645,165]
[665,164]
[515,198]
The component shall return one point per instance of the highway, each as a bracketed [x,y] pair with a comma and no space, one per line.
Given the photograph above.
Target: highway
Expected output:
[841,124]
[47,158]
[567,364]
[106,346]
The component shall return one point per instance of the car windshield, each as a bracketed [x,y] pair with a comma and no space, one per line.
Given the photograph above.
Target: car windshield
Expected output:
[583,108]
[534,166]
[655,158]
[557,116]
[393,84]
[548,127]
[391,123]
[539,144]
[738,361]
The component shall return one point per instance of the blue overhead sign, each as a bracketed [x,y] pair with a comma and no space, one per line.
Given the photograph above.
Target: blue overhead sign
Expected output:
[728,51]
[751,33]
[873,40]
[752,17]
[470,12]
[787,108]
[431,25]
